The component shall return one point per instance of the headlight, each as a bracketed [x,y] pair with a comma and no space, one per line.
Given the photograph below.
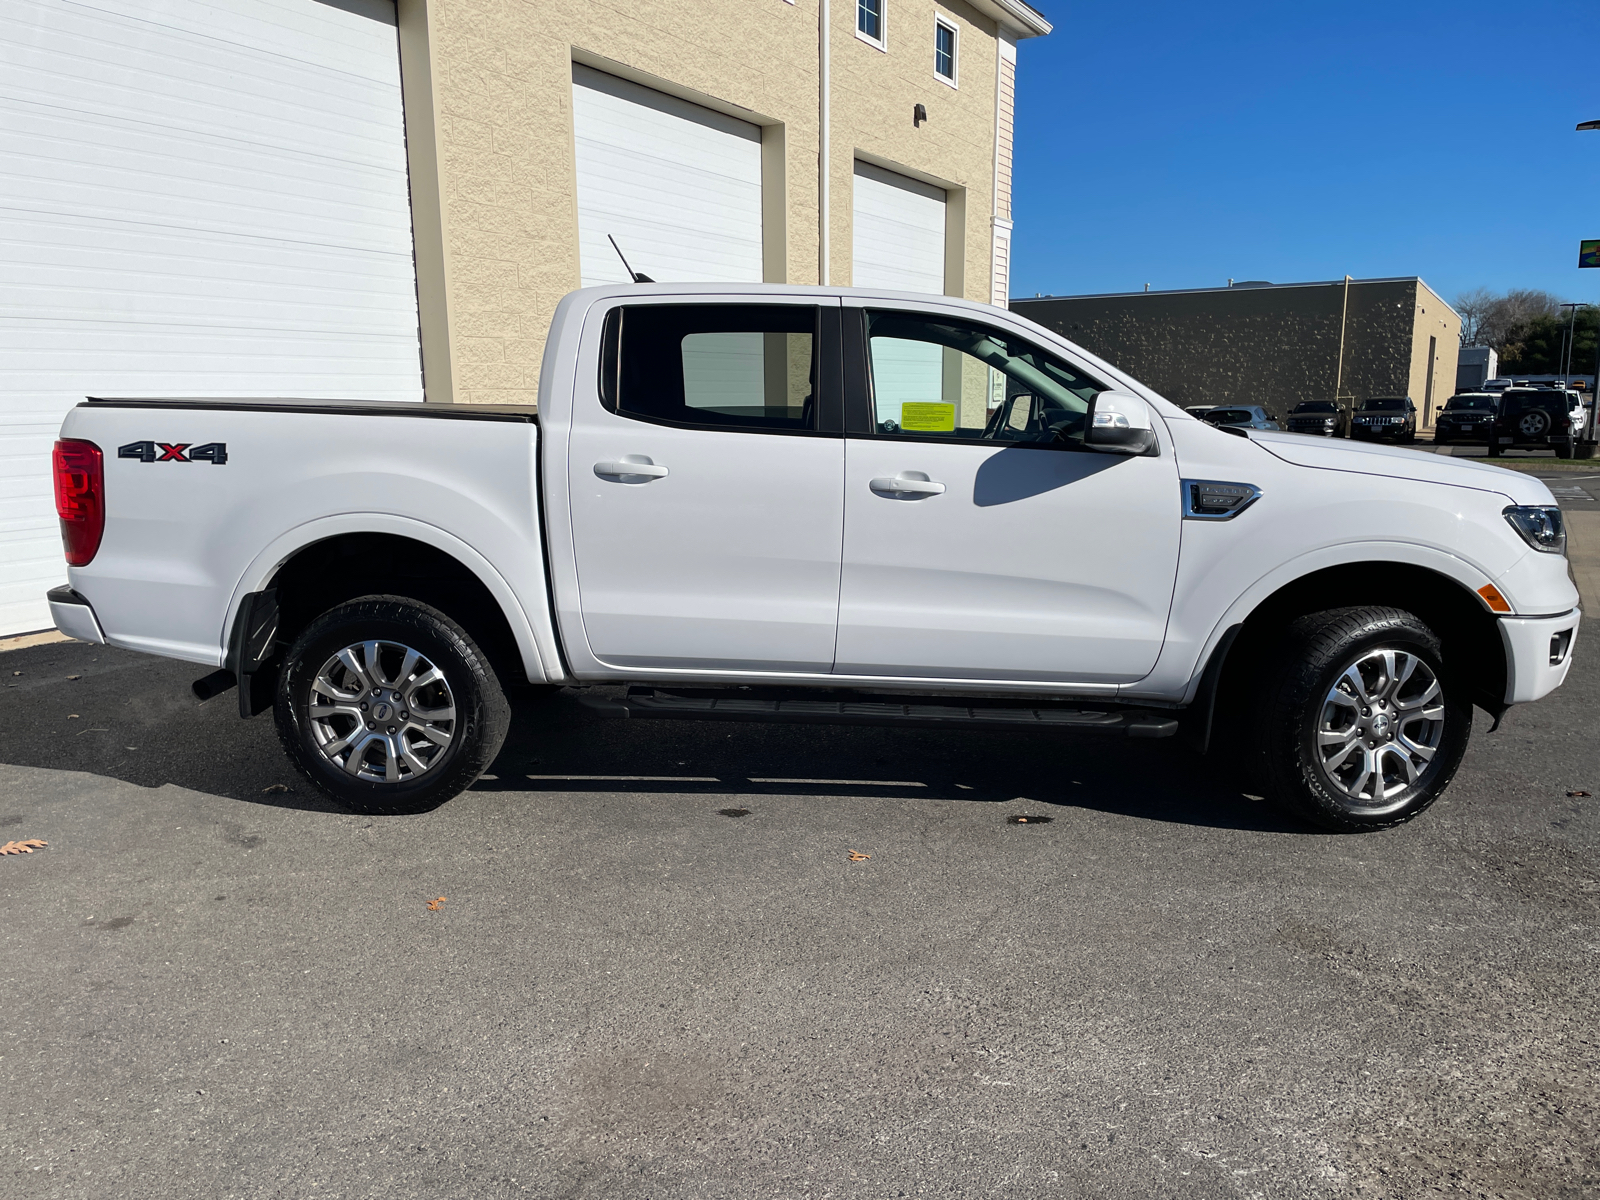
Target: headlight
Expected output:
[1541,528]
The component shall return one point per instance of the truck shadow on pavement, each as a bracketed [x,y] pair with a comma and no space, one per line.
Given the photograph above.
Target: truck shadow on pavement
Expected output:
[557,745]
[75,707]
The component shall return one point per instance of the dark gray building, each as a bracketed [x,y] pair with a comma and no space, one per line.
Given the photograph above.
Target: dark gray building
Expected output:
[1271,344]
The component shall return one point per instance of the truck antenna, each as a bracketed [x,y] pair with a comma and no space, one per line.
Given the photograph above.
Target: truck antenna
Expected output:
[632,274]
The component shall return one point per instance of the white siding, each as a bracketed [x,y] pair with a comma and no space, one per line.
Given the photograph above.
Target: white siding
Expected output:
[197,197]
[899,232]
[677,185]
[1005,109]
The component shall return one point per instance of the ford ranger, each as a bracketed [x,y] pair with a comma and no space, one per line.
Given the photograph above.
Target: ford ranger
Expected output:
[782,503]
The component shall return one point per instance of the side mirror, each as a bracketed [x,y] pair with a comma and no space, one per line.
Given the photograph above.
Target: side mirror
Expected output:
[1119,423]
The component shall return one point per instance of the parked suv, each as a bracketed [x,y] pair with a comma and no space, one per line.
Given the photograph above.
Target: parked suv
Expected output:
[1240,416]
[1535,418]
[1323,418]
[1467,417]
[1386,418]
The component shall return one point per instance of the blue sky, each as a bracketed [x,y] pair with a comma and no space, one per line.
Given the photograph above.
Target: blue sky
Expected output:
[1181,144]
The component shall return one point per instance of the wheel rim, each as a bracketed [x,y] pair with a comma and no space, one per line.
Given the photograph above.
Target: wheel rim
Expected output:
[1380,726]
[381,712]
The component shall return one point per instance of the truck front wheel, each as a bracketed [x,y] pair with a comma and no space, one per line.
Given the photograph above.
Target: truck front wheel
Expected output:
[1360,726]
[387,705]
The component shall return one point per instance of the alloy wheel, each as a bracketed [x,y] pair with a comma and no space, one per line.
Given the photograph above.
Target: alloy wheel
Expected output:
[1379,728]
[381,712]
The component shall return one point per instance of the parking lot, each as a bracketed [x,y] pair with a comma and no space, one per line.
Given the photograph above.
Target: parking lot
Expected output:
[587,978]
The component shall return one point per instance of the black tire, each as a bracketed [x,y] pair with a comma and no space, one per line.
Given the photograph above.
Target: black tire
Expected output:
[468,688]
[1494,446]
[1564,448]
[1297,711]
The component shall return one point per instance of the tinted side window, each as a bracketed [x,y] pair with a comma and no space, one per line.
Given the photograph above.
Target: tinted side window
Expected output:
[731,365]
[939,377]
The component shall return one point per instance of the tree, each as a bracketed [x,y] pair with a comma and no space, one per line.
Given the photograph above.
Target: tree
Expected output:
[1496,321]
[1537,345]
[1473,307]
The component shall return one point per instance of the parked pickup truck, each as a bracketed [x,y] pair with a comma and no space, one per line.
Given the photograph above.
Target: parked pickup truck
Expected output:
[784,503]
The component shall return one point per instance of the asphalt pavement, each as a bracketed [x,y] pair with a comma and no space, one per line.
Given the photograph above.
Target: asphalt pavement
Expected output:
[587,977]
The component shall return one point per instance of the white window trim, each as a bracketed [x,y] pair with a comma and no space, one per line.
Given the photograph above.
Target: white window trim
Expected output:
[880,42]
[955,51]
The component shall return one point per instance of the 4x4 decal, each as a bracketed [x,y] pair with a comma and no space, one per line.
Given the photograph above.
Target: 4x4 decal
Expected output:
[215,453]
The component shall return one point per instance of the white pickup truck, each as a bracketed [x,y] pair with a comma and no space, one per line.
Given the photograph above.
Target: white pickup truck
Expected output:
[784,503]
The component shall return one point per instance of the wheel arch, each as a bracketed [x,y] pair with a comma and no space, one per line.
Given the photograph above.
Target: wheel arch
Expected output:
[1469,633]
[316,566]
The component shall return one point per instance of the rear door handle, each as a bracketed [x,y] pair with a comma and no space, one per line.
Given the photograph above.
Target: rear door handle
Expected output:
[634,467]
[908,485]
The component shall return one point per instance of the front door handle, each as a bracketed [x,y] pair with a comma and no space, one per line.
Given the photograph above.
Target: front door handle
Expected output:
[908,485]
[634,468]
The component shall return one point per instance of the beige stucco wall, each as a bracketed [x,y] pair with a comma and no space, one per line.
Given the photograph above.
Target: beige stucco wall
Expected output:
[1434,319]
[874,92]
[498,80]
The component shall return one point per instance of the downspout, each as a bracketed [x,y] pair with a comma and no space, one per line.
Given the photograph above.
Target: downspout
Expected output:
[1338,379]
[822,142]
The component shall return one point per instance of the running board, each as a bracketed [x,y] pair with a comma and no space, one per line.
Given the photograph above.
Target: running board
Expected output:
[812,708]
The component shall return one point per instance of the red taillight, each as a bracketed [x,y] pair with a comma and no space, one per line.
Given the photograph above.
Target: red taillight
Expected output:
[80,498]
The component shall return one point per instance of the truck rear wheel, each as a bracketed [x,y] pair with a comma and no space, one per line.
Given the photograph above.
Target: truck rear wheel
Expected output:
[1360,726]
[388,706]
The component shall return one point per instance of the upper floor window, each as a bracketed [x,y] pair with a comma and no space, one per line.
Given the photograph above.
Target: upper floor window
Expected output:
[944,51]
[869,20]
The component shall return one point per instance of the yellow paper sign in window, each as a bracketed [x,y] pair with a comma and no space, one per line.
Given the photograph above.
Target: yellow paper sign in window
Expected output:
[927,416]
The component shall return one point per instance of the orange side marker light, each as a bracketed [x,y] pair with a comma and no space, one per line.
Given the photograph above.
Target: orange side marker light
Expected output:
[1492,597]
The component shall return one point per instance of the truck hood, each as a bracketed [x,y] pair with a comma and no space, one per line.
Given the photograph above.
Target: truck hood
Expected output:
[1336,454]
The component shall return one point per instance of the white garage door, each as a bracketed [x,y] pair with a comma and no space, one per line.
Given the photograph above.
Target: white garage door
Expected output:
[677,185]
[197,198]
[898,237]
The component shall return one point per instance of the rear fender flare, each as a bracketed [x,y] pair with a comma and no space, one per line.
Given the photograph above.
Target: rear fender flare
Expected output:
[270,560]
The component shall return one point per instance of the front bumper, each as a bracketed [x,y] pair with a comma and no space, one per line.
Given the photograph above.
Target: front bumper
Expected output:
[1377,432]
[1538,653]
[74,616]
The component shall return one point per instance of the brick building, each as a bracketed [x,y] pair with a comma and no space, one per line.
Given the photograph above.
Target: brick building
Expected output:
[1272,344]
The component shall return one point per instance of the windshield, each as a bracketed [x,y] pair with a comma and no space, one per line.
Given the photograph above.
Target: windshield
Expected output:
[1384,404]
[1230,416]
[1316,406]
[1457,403]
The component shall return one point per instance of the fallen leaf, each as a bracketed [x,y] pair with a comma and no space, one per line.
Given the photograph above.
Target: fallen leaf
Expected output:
[857,856]
[277,787]
[433,905]
[74,676]
[26,846]
[72,716]
[1577,794]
